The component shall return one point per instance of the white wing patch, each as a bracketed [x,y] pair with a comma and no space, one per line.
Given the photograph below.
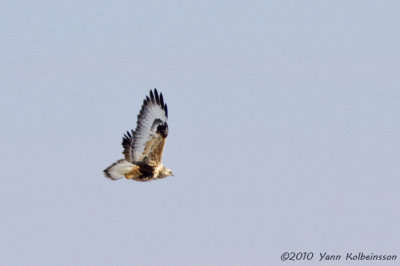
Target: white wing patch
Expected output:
[153,113]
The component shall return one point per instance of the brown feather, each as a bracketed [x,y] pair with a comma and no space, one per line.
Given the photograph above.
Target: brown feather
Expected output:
[153,150]
[134,174]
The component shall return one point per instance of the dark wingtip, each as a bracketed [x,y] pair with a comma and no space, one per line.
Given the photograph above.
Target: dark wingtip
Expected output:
[127,139]
[156,98]
[152,96]
[161,100]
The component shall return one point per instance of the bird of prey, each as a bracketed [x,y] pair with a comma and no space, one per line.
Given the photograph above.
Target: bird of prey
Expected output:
[143,148]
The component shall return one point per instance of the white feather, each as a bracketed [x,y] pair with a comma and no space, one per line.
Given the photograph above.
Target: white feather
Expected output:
[143,133]
[119,169]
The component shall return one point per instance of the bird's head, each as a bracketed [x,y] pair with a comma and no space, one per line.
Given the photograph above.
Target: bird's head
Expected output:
[166,172]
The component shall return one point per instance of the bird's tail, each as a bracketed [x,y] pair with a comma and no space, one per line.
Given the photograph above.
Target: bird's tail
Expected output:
[119,169]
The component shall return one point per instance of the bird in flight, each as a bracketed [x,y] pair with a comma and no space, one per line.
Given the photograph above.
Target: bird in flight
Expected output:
[143,148]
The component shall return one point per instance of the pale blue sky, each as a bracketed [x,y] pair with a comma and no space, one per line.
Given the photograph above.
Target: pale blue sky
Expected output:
[284,121]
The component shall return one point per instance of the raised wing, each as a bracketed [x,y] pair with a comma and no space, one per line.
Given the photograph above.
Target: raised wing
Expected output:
[145,145]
